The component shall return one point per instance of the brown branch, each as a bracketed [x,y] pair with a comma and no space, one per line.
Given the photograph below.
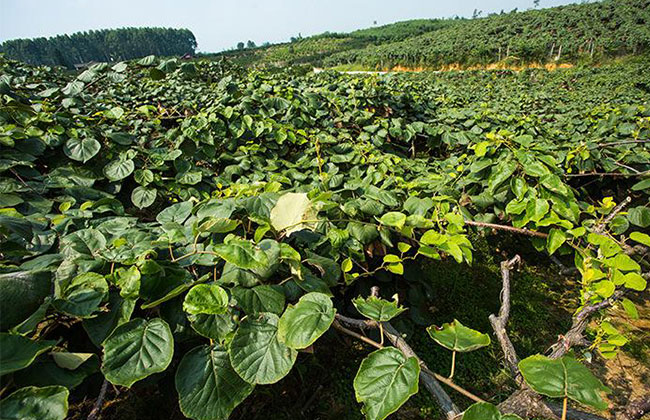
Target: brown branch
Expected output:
[635,409]
[97,408]
[520,231]
[574,335]
[602,225]
[613,174]
[499,322]
[351,333]
[616,143]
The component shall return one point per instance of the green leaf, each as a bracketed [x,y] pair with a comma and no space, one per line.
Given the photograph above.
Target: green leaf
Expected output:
[302,324]
[293,212]
[385,380]
[377,309]
[639,216]
[176,213]
[644,184]
[32,403]
[263,298]
[393,219]
[21,294]
[143,197]
[630,308]
[114,113]
[208,299]
[70,361]
[457,337]
[18,352]
[242,253]
[346,265]
[564,377]
[218,225]
[555,240]
[136,350]
[256,354]
[486,411]
[83,295]
[634,281]
[641,238]
[119,169]
[81,149]
[208,387]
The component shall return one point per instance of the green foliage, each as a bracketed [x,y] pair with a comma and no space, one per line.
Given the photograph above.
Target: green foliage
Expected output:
[302,324]
[136,350]
[32,403]
[486,411]
[564,377]
[385,380]
[377,309]
[101,45]
[163,205]
[457,337]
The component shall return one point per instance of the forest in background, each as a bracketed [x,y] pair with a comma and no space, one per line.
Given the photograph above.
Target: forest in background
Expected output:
[100,45]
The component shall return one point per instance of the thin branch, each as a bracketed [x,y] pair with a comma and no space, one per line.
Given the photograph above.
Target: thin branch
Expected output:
[430,382]
[602,225]
[427,377]
[507,228]
[603,174]
[574,335]
[616,143]
[358,336]
[499,322]
[97,408]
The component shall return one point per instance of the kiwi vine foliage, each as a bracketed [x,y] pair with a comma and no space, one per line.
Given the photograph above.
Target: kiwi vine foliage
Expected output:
[166,205]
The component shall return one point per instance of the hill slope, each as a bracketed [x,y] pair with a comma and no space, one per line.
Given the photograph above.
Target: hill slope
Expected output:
[592,31]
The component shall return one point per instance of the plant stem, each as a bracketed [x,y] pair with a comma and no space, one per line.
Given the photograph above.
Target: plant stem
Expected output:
[381,333]
[564,408]
[453,364]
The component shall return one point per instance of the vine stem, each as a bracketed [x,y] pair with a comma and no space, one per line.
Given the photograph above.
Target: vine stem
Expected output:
[453,364]
[97,408]
[564,403]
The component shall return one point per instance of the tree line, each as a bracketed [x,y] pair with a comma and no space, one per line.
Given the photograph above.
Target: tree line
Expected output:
[100,45]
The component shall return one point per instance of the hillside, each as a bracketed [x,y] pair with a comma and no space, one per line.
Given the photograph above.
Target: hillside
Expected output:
[592,31]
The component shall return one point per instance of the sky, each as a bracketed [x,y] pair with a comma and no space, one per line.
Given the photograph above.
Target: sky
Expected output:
[220,25]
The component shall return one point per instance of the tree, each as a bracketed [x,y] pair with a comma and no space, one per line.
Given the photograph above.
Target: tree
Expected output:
[240,45]
[250,44]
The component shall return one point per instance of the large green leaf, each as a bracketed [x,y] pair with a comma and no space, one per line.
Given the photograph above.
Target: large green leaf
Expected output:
[563,377]
[82,296]
[241,253]
[385,380]
[486,411]
[256,353]
[136,350]
[377,309]
[81,149]
[457,337]
[208,387]
[32,403]
[143,197]
[21,293]
[119,169]
[302,324]
[18,352]
[208,299]
[263,298]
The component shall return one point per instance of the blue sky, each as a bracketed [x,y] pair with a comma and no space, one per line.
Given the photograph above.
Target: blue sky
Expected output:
[219,25]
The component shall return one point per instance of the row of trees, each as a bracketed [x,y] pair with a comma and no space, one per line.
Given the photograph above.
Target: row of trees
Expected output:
[101,45]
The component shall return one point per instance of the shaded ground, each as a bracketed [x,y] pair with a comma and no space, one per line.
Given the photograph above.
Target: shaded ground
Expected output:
[320,385]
